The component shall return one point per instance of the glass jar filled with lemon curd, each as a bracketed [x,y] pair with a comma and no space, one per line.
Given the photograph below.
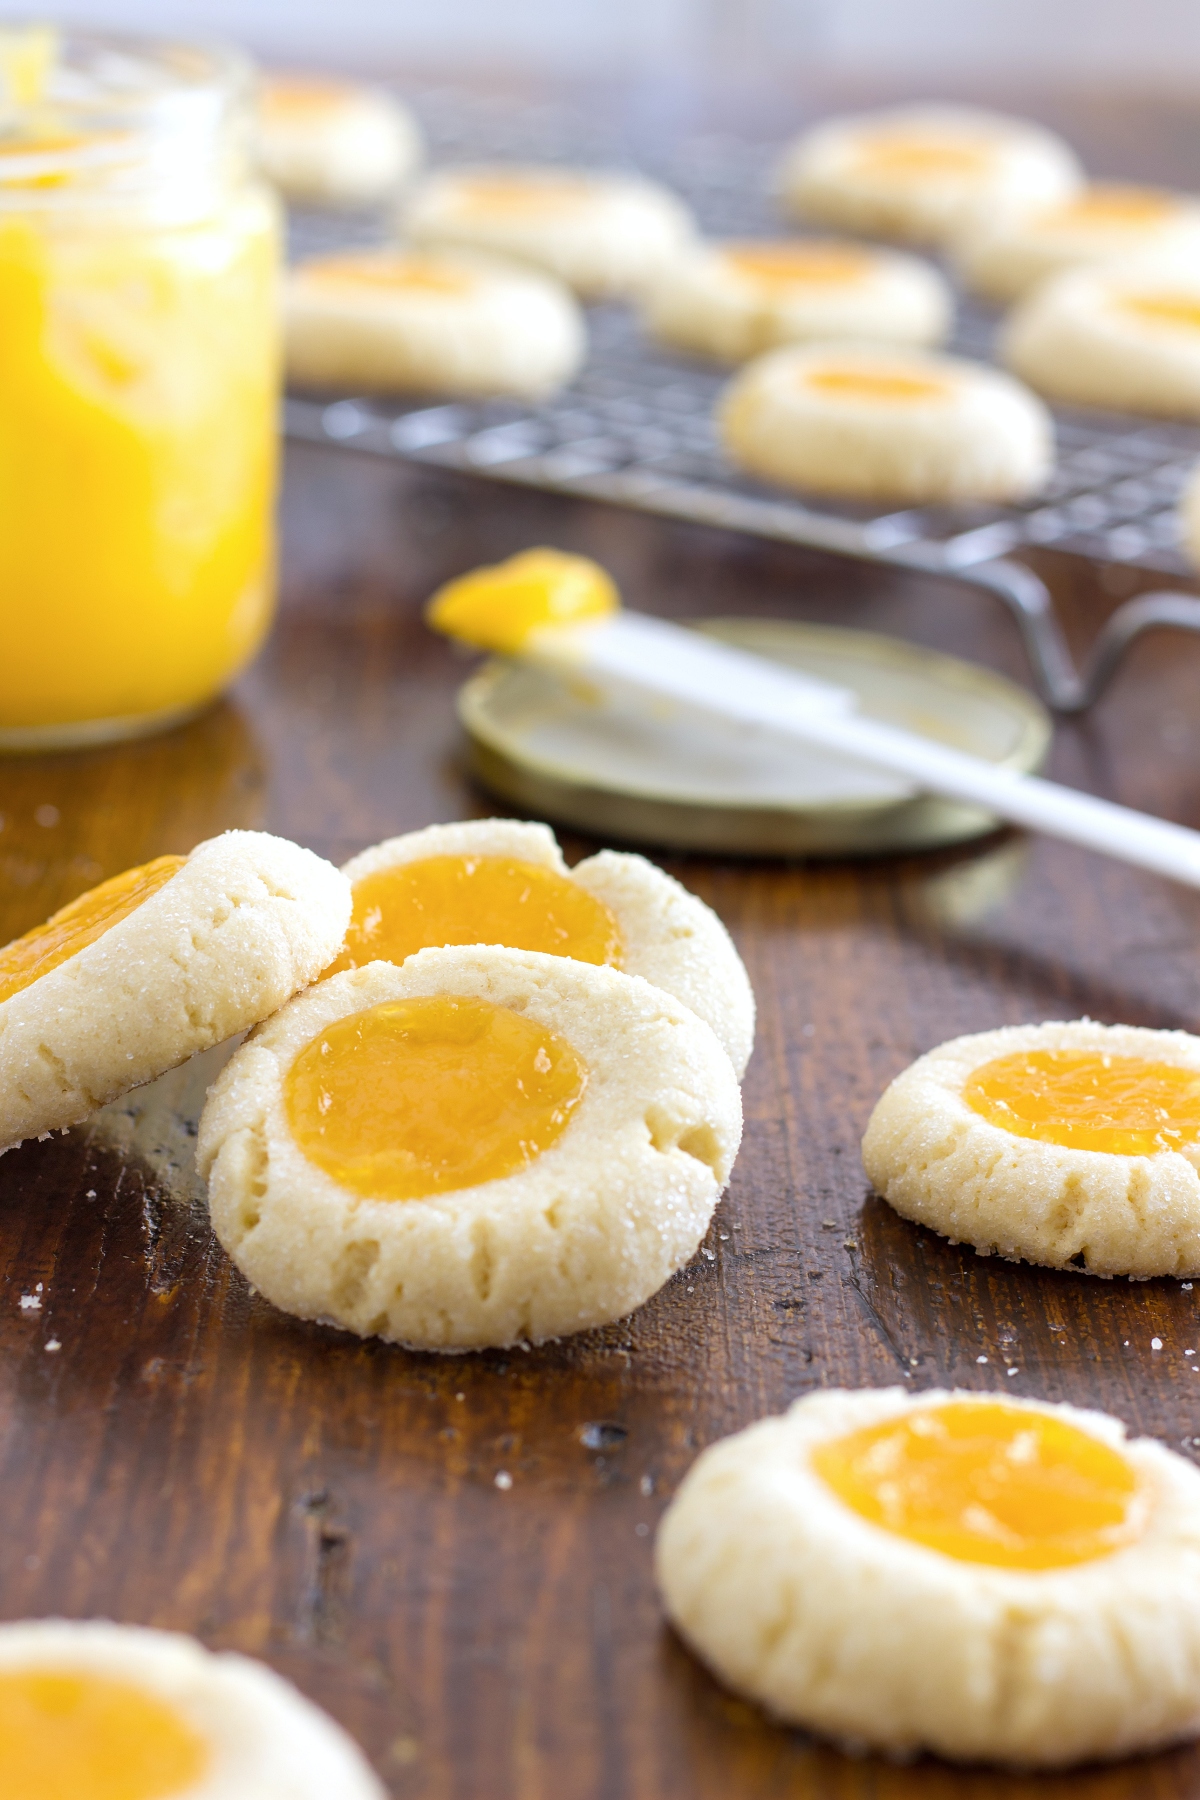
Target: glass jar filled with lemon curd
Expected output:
[139,379]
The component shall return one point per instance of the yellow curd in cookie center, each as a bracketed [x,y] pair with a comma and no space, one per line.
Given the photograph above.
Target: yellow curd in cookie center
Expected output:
[498,606]
[1122,207]
[303,99]
[1086,1100]
[82,1736]
[79,924]
[505,196]
[1181,310]
[905,158]
[388,274]
[420,1097]
[476,900]
[891,387]
[985,1482]
[797,265]
[138,397]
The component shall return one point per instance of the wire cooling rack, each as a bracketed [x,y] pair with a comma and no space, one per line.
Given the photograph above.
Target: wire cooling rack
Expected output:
[636,427]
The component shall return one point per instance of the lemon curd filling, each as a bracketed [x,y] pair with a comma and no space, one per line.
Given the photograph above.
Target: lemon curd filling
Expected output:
[137,370]
[138,387]
[1181,310]
[869,384]
[1119,206]
[476,900]
[510,196]
[302,99]
[793,265]
[81,1736]
[497,607]
[903,157]
[985,1482]
[389,274]
[79,924]
[420,1097]
[1086,1100]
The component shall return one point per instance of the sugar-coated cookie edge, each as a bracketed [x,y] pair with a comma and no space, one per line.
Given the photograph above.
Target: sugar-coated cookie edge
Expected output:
[245,922]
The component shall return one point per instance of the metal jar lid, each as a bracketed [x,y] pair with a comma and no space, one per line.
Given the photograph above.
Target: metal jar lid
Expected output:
[562,753]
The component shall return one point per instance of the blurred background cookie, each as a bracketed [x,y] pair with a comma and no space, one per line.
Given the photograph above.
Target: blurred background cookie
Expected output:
[1003,255]
[922,173]
[326,142]
[886,424]
[1123,338]
[480,1147]
[602,234]
[1053,1565]
[124,1713]
[735,300]
[442,322]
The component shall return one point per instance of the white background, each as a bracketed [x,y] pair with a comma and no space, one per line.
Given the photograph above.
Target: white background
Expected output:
[1061,41]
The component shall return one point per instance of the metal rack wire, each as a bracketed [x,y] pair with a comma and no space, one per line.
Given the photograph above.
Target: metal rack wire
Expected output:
[636,427]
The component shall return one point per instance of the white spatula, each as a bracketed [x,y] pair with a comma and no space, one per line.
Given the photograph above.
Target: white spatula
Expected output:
[654,662]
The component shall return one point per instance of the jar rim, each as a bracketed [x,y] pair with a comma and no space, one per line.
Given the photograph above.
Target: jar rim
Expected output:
[119,114]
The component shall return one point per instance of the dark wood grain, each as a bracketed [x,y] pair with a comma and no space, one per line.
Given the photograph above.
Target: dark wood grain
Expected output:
[191,1458]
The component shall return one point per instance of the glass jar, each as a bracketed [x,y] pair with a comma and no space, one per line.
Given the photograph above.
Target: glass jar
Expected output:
[139,383]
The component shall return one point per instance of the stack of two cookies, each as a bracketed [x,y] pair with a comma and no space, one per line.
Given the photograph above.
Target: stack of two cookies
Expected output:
[506,1113]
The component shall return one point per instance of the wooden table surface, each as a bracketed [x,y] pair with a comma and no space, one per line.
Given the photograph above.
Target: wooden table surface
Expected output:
[191,1458]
